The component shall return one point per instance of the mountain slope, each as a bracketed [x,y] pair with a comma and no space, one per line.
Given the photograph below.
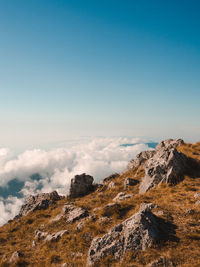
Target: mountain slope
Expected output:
[178,205]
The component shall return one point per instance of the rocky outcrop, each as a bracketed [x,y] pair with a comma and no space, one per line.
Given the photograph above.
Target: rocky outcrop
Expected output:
[122,196]
[110,177]
[46,237]
[71,213]
[81,185]
[138,232]
[55,236]
[161,262]
[167,165]
[140,159]
[39,202]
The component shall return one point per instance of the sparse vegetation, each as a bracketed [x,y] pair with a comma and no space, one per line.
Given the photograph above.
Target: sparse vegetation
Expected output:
[173,200]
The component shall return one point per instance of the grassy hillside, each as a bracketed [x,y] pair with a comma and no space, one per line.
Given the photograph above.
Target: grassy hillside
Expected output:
[176,202]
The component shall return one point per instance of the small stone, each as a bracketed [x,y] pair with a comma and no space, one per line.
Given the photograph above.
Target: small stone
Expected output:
[161,262]
[197,195]
[15,256]
[111,185]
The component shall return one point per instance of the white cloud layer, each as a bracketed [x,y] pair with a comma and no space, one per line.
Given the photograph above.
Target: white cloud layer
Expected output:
[99,157]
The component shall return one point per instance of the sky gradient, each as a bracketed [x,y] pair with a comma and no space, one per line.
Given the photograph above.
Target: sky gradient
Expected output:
[100,68]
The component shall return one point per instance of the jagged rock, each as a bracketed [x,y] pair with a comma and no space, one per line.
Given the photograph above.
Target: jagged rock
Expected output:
[15,256]
[140,159]
[110,177]
[161,262]
[122,196]
[40,235]
[73,213]
[138,232]
[170,143]
[167,165]
[55,236]
[111,185]
[81,185]
[38,202]
[129,182]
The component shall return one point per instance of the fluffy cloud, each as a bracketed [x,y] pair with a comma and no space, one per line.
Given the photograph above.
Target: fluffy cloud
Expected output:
[98,157]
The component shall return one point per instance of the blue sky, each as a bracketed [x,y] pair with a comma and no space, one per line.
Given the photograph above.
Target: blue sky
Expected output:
[101,68]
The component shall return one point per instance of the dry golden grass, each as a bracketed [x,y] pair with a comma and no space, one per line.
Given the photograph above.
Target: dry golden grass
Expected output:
[174,201]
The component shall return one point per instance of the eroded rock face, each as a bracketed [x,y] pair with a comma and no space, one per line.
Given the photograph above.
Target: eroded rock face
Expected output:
[167,165]
[38,202]
[81,185]
[138,232]
[140,159]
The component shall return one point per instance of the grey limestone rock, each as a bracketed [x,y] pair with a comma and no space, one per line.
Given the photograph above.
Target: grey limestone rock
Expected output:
[140,159]
[138,232]
[71,213]
[167,165]
[122,196]
[39,202]
[81,185]
[55,236]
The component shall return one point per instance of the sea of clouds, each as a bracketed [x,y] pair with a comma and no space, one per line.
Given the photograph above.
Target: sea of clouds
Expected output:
[38,170]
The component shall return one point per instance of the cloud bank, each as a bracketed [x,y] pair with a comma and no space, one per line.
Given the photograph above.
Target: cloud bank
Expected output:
[43,171]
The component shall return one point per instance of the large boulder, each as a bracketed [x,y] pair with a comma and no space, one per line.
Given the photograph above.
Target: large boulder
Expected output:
[39,202]
[167,165]
[81,185]
[138,232]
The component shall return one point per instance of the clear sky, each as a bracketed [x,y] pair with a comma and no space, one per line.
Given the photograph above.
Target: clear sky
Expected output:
[103,68]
